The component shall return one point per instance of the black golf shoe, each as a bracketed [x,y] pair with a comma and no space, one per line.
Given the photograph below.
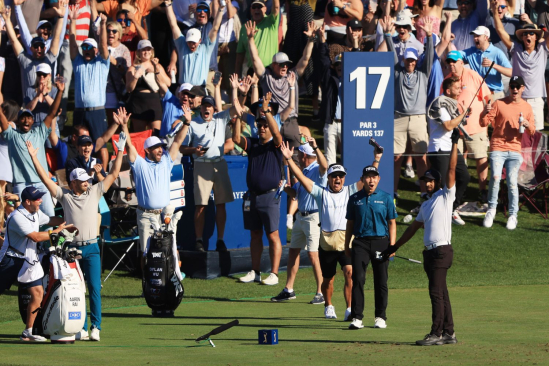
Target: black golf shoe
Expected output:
[448,338]
[430,340]
[283,296]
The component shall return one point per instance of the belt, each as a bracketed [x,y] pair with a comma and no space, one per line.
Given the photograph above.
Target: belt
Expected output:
[307,213]
[209,160]
[87,109]
[433,246]
[84,243]
[259,193]
[337,120]
[373,237]
[156,212]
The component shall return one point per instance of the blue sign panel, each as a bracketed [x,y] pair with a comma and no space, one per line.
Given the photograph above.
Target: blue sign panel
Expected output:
[368,112]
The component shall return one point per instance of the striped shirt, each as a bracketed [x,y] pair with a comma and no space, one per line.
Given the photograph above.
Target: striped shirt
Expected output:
[82,22]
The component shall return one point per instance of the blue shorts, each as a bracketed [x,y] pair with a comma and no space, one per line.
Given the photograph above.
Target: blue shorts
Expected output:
[9,270]
[264,212]
[95,121]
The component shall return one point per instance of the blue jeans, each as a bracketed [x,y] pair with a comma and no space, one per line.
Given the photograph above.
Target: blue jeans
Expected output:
[511,161]
[47,206]
[91,266]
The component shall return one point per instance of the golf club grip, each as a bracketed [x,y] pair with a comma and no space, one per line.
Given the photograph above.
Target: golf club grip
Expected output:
[218,330]
[414,260]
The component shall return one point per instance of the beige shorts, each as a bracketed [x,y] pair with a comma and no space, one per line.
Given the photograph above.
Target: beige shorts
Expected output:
[208,176]
[306,232]
[537,105]
[414,127]
[476,149]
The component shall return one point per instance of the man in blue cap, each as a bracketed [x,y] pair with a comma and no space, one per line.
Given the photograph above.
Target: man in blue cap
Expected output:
[18,254]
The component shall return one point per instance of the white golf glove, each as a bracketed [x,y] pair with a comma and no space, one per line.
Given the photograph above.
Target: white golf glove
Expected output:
[121,141]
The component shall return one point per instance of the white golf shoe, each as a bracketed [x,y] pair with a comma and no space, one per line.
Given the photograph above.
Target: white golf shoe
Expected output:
[329,312]
[489,218]
[82,335]
[271,280]
[512,222]
[251,277]
[94,335]
[380,323]
[356,324]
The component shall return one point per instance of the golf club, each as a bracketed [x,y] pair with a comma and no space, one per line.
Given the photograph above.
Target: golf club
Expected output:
[217,330]
[408,259]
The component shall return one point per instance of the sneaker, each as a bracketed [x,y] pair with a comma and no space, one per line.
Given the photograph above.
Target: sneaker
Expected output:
[512,222]
[271,280]
[489,218]
[356,324]
[199,246]
[409,171]
[220,246]
[283,296]
[29,337]
[329,312]
[94,335]
[448,339]
[430,340]
[289,221]
[251,277]
[82,335]
[317,300]
[347,315]
[456,220]
[380,323]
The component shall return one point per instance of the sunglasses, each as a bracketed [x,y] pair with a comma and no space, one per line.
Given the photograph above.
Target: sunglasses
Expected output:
[124,21]
[41,74]
[262,125]
[46,27]
[502,7]
[190,95]
[284,65]
[340,175]
[531,33]
[113,31]
[39,45]
[464,3]
[449,62]
[87,47]
[401,26]
[202,11]
[257,6]
[515,87]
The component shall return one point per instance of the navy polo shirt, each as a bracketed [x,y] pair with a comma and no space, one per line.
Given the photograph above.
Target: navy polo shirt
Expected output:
[264,162]
[80,162]
[371,213]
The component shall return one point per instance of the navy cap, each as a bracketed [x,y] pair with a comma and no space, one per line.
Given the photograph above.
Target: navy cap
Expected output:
[37,40]
[354,24]
[259,104]
[203,4]
[84,140]
[369,169]
[431,174]
[31,194]
[208,100]
[517,80]
[25,111]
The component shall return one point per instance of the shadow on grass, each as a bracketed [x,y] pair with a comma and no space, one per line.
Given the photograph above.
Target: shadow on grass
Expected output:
[396,343]
[257,326]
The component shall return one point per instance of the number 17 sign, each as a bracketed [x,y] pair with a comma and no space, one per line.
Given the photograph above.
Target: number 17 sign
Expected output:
[368,111]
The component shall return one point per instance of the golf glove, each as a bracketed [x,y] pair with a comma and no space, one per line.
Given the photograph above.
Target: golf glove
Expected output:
[121,141]
[455,136]
[388,252]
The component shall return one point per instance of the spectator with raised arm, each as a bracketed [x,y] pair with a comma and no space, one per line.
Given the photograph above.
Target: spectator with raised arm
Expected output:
[404,38]
[139,9]
[431,10]
[500,9]
[130,38]
[338,14]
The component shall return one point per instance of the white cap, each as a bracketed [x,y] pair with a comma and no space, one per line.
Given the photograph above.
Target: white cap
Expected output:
[41,23]
[307,150]
[144,43]
[193,35]
[45,68]
[337,168]
[185,86]
[280,58]
[92,42]
[481,30]
[79,174]
[403,19]
[410,53]
[152,141]
[408,12]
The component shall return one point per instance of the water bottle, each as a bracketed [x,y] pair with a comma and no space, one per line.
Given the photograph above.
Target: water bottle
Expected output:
[522,10]
[521,126]
[172,74]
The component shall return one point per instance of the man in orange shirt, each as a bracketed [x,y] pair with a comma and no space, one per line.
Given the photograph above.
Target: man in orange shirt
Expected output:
[505,146]
[478,148]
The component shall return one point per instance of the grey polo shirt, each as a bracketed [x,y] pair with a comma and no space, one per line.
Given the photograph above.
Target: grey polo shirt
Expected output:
[531,66]
[210,134]
[280,89]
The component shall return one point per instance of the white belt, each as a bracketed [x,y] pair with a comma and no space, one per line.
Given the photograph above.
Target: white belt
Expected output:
[433,246]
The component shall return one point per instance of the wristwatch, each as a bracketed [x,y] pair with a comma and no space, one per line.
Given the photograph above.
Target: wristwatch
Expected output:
[315,148]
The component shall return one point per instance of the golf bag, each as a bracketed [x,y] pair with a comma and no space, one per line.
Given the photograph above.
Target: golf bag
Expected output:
[162,285]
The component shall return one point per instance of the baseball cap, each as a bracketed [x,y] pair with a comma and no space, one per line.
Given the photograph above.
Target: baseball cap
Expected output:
[258,2]
[307,150]
[198,91]
[336,168]
[44,68]
[185,86]
[410,53]
[25,111]
[152,142]
[517,80]
[144,43]
[403,19]
[193,35]
[42,23]
[454,55]
[37,40]
[281,58]
[79,174]
[481,30]
[209,100]
[203,4]
[338,58]
[431,174]
[31,194]
[369,169]
[84,140]
[90,41]
[254,107]
[354,24]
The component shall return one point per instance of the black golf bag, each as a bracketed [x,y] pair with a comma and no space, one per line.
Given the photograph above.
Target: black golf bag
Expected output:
[162,288]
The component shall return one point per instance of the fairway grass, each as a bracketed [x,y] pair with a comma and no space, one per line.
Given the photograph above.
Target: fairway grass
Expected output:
[495,325]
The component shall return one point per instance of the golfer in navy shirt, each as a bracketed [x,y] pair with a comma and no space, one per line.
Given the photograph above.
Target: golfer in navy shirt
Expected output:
[371,215]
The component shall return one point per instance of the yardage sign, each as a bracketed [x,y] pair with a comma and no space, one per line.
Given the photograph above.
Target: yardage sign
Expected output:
[368,111]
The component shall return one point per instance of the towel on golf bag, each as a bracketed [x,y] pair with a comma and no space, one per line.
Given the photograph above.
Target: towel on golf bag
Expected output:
[451,106]
[60,267]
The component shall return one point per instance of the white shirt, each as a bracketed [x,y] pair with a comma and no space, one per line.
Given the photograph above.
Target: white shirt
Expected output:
[440,138]
[333,206]
[436,215]
[226,29]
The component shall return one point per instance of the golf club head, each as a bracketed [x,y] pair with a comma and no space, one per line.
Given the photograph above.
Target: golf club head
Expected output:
[466,136]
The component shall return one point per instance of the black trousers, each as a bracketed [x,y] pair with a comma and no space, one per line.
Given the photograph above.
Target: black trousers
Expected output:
[364,252]
[440,160]
[436,263]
